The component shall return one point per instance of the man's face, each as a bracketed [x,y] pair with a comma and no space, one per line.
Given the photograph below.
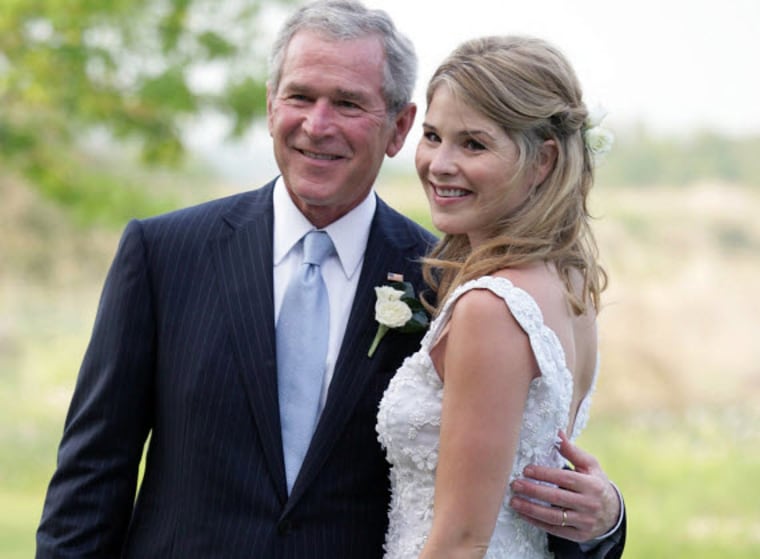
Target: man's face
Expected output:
[329,123]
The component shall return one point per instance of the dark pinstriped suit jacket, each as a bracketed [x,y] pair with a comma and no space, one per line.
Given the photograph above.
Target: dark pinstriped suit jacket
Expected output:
[183,348]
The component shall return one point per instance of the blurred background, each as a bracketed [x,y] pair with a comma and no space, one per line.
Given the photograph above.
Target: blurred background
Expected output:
[121,109]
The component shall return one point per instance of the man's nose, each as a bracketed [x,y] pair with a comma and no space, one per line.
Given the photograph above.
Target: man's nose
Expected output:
[320,118]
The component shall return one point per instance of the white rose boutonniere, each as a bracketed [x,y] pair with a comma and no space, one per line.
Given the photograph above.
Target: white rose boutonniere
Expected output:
[396,308]
[390,310]
[598,140]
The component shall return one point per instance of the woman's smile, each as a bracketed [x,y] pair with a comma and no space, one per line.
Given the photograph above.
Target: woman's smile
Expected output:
[450,192]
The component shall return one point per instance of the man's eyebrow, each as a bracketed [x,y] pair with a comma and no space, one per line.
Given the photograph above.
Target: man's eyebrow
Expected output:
[296,87]
[340,93]
[350,94]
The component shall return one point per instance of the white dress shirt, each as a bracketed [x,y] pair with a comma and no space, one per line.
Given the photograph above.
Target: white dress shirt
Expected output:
[340,271]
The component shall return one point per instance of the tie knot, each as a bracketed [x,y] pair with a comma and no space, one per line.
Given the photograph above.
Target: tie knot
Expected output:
[317,246]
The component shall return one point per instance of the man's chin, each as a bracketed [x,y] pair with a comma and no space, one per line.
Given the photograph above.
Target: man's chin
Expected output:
[313,193]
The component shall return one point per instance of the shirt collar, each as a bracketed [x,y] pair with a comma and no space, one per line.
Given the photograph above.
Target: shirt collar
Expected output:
[349,234]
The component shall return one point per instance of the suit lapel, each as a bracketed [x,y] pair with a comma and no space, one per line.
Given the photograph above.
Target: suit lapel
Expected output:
[353,368]
[244,261]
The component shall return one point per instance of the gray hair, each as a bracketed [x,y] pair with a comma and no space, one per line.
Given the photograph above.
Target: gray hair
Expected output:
[344,20]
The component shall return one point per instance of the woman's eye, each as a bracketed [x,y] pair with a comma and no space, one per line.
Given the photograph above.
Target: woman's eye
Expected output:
[431,136]
[474,145]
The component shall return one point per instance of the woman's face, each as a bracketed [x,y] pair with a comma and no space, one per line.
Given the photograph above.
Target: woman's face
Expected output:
[466,163]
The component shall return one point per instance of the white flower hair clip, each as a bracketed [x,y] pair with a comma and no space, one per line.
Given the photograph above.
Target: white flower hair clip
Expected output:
[598,140]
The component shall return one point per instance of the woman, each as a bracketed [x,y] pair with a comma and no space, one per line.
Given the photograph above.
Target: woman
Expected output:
[506,161]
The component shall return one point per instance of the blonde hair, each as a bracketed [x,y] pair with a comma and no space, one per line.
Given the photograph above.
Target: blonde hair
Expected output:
[526,86]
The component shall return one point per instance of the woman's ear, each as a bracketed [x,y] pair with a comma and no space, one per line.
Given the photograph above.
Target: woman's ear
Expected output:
[547,157]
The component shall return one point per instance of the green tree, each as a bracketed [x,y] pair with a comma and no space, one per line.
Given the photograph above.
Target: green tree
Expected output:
[136,71]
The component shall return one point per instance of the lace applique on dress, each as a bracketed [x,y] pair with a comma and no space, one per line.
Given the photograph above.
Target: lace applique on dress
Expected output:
[408,427]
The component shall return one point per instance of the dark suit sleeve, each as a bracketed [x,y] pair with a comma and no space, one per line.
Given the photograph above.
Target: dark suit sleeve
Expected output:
[608,548]
[90,497]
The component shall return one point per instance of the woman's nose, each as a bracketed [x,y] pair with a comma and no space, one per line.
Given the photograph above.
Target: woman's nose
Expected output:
[442,161]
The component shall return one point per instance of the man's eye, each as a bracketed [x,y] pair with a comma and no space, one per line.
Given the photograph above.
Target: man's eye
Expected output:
[296,98]
[347,105]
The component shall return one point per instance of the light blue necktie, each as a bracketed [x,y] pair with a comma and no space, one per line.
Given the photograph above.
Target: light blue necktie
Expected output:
[302,332]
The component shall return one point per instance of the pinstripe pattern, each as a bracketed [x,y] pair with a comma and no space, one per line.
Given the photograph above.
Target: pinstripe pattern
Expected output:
[183,348]
[184,336]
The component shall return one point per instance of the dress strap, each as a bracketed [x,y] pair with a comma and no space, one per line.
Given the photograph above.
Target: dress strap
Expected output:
[544,342]
[520,303]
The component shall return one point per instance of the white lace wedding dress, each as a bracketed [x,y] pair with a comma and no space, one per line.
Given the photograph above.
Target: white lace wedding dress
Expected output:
[408,427]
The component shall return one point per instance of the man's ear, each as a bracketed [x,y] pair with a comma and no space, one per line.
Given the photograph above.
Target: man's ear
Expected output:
[270,100]
[547,157]
[402,123]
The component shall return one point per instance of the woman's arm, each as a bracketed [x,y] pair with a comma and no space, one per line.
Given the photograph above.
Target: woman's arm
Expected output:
[487,365]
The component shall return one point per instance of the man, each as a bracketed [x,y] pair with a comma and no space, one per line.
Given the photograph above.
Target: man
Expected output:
[184,343]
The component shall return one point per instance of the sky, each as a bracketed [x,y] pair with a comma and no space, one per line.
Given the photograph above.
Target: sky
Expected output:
[673,66]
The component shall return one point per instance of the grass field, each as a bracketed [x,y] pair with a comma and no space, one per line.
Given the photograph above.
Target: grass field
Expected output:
[676,416]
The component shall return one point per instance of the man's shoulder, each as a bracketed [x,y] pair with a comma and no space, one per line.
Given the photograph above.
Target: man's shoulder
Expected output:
[192,226]
[401,228]
[233,208]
